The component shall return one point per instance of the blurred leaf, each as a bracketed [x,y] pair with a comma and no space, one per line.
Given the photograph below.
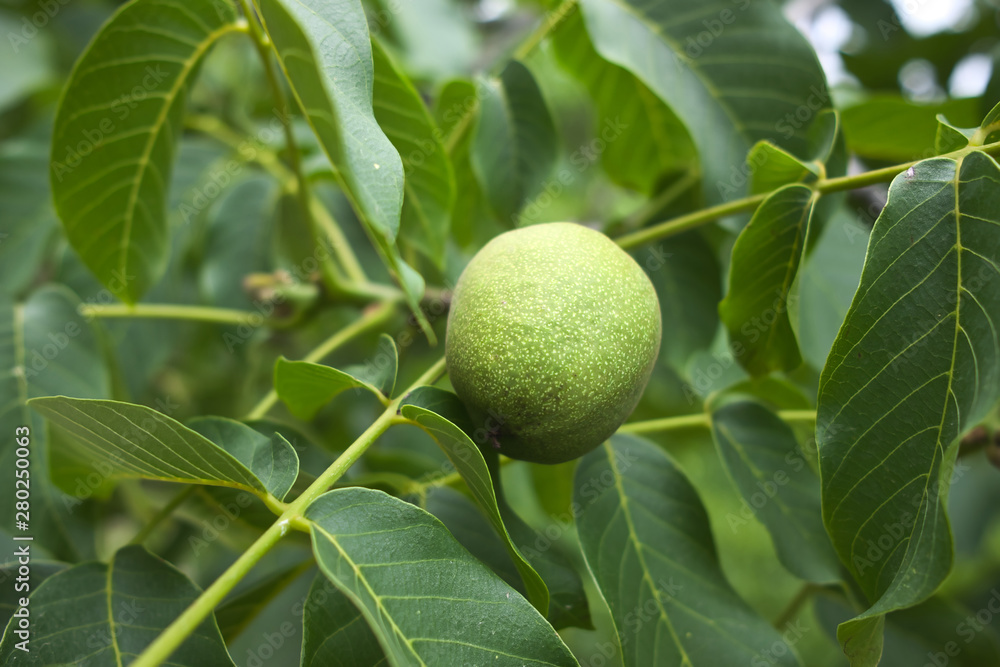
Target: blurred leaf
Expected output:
[325,50]
[334,633]
[888,127]
[765,260]
[916,362]
[514,148]
[28,221]
[429,182]
[688,281]
[116,136]
[828,279]
[425,597]
[777,486]
[239,610]
[646,538]
[733,73]
[438,37]
[655,142]
[46,346]
[427,406]
[113,612]
[238,241]
[28,66]
[271,459]
[139,442]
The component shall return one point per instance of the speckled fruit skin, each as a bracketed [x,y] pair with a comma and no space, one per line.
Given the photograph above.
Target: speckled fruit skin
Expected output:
[552,335]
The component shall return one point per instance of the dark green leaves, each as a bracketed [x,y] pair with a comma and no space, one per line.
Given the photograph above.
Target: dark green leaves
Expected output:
[777,484]
[110,613]
[765,259]
[334,633]
[429,183]
[136,441]
[427,600]
[515,145]
[916,362]
[116,133]
[646,538]
[734,73]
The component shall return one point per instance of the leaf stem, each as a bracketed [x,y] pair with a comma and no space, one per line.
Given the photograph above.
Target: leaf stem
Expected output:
[164,513]
[345,255]
[370,318]
[167,311]
[697,218]
[702,420]
[795,604]
[164,645]
[549,22]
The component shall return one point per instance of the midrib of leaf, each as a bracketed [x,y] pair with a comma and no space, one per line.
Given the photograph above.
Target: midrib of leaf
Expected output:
[111,614]
[377,598]
[159,124]
[633,534]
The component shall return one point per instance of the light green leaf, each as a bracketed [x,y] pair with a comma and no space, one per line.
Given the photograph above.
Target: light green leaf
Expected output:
[734,73]
[950,138]
[111,613]
[139,442]
[305,387]
[916,362]
[437,411]
[428,601]
[116,134]
[515,146]
[765,260]
[438,38]
[429,183]
[47,346]
[773,167]
[777,484]
[325,51]
[334,633]
[645,140]
[272,459]
[646,539]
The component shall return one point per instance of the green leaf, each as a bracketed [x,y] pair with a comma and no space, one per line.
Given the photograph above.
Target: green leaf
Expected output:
[305,387]
[888,127]
[765,260]
[28,221]
[916,363]
[139,442]
[47,346]
[239,610]
[272,459]
[428,601]
[429,183]
[734,73]
[110,613]
[437,411]
[325,51]
[10,597]
[828,279]
[646,539]
[116,134]
[950,138]
[773,167]
[514,148]
[777,486]
[685,272]
[334,633]
[438,38]
[239,241]
[649,141]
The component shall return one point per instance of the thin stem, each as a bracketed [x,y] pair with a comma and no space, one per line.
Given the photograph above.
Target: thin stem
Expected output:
[702,419]
[369,319]
[348,262]
[164,513]
[220,131]
[669,194]
[551,20]
[164,645]
[168,311]
[697,218]
[795,605]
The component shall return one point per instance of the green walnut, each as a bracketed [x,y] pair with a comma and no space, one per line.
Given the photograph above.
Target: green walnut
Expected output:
[552,335]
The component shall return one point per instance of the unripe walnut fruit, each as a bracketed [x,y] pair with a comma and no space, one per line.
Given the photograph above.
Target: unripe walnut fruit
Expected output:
[552,336]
